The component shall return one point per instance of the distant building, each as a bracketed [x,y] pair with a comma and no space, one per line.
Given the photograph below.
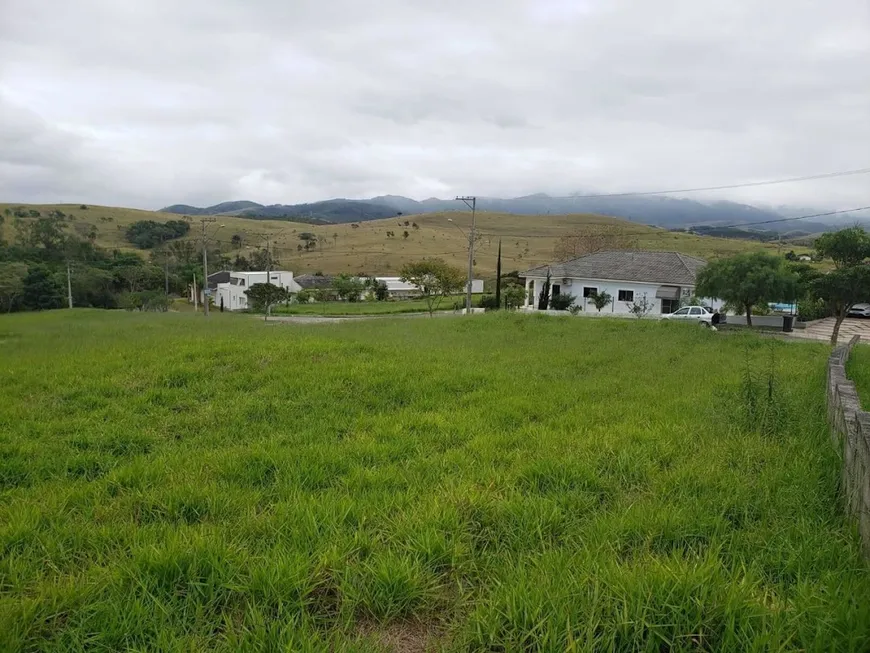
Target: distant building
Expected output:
[314,281]
[232,294]
[398,289]
[663,278]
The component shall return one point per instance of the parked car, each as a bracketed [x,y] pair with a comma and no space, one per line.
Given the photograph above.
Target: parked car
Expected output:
[701,314]
[859,310]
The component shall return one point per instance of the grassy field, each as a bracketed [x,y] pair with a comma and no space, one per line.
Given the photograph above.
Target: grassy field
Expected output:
[858,369]
[527,240]
[372,308]
[498,483]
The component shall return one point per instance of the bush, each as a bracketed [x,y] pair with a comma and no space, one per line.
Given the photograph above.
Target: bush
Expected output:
[304,296]
[812,309]
[146,234]
[488,302]
[149,300]
[561,302]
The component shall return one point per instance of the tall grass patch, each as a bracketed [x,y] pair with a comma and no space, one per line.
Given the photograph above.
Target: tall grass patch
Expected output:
[506,482]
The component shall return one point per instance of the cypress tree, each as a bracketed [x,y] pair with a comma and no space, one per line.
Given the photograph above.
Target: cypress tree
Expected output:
[544,299]
[498,278]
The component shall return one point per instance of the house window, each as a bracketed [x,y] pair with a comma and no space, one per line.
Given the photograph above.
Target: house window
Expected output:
[625,296]
[588,291]
[241,282]
[557,289]
[532,293]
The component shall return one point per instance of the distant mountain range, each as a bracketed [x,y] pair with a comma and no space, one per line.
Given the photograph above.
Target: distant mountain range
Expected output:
[660,211]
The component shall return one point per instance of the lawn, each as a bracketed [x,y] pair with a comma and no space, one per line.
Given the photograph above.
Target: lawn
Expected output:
[499,483]
[372,308]
[858,369]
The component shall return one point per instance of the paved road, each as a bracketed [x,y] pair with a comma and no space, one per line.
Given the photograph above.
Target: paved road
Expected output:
[822,330]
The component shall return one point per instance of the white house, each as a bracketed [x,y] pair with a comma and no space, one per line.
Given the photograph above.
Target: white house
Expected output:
[664,278]
[232,294]
[399,289]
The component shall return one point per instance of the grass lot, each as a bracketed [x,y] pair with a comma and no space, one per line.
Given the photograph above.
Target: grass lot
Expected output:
[858,369]
[371,308]
[527,240]
[500,483]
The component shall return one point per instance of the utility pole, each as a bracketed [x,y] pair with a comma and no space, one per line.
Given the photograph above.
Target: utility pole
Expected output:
[195,301]
[68,284]
[205,301]
[470,202]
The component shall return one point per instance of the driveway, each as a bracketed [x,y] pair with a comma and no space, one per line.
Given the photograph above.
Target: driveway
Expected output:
[822,330]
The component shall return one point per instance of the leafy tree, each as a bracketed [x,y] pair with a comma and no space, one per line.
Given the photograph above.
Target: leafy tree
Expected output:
[847,247]
[405,234]
[640,307]
[40,290]
[307,236]
[435,279]
[601,300]
[262,259]
[304,296]
[561,302]
[45,233]
[12,277]
[264,296]
[146,234]
[746,280]
[379,289]
[544,298]
[236,241]
[514,296]
[841,289]
[348,288]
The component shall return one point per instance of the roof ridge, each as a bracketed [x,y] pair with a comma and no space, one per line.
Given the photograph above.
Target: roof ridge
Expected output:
[683,261]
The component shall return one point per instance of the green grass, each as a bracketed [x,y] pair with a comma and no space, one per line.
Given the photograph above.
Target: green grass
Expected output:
[501,483]
[858,369]
[371,308]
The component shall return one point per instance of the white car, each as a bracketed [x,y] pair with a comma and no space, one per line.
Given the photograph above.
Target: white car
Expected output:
[700,314]
[859,310]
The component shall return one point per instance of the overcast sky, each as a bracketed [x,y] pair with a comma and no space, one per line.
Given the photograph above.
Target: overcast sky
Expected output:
[150,102]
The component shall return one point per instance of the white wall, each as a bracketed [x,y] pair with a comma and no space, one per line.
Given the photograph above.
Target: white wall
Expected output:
[233,293]
[575,287]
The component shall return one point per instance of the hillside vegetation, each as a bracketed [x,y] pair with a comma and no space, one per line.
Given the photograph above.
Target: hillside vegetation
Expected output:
[366,247]
[199,485]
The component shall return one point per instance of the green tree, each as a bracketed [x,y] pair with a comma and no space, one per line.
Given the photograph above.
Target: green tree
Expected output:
[12,277]
[497,276]
[514,295]
[40,290]
[262,259]
[544,298]
[348,288]
[847,247]
[746,280]
[435,279]
[146,234]
[841,289]
[600,299]
[264,296]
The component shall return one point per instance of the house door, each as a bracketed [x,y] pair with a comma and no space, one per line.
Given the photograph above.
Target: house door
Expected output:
[670,306]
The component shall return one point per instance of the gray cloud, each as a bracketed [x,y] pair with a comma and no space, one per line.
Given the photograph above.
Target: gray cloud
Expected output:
[149,103]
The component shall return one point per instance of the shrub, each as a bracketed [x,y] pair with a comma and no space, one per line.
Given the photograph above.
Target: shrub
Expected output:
[488,302]
[813,309]
[561,302]
[146,234]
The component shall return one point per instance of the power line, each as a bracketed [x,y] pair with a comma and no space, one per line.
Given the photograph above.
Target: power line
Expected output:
[751,184]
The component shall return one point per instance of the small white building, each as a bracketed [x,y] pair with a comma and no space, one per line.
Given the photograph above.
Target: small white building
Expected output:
[232,294]
[663,278]
[399,289]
